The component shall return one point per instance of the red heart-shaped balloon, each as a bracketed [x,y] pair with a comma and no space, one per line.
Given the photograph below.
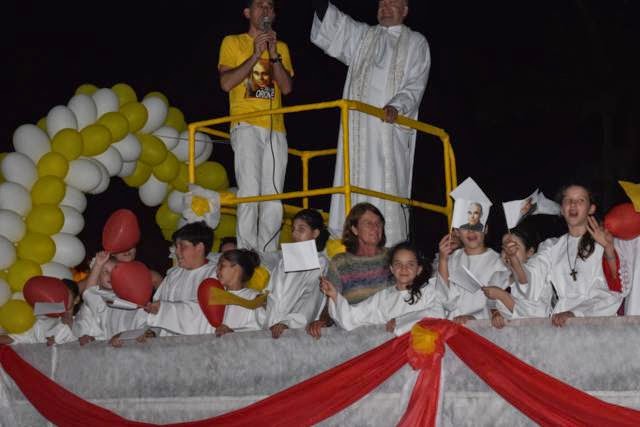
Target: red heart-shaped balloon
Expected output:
[48,290]
[131,281]
[213,312]
[623,221]
[121,231]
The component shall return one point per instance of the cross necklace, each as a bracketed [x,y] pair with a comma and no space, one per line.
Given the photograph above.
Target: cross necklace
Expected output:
[573,273]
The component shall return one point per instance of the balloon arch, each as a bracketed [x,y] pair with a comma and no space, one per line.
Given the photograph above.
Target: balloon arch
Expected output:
[75,150]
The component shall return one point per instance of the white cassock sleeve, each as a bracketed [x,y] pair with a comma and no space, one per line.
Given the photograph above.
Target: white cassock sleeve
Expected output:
[408,98]
[629,254]
[87,321]
[338,34]
[366,312]
[44,328]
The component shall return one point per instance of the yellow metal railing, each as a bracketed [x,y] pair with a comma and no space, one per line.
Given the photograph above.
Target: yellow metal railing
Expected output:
[344,105]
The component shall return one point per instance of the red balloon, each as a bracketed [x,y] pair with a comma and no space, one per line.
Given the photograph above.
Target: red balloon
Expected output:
[48,290]
[623,221]
[213,312]
[121,232]
[131,281]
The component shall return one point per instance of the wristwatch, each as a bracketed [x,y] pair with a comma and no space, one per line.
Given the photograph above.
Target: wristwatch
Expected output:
[276,59]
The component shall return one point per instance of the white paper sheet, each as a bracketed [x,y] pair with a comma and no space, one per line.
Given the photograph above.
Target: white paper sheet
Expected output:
[43,308]
[300,256]
[121,304]
[469,197]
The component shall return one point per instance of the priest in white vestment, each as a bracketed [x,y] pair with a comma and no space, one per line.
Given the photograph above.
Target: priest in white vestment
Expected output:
[388,68]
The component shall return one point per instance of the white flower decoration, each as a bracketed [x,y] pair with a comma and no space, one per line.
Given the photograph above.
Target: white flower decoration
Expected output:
[202,205]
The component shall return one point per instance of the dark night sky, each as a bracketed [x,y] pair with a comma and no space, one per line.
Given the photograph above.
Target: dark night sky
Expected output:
[533,94]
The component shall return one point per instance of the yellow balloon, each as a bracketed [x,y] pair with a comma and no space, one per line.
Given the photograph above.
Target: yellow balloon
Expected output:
[21,271]
[168,170]
[68,142]
[181,182]
[335,247]
[212,175]
[48,190]
[139,176]
[259,280]
[36,247]
[125,93]
[167,233]
[154,151]
[226,226]
[45,219]
[285,235]
[136,114]
[54,164]
[175,119]
[96,138]
[4,275]
[42,124]
[166,218]
[158,95]
[86,89]
[117,124]
[16,316]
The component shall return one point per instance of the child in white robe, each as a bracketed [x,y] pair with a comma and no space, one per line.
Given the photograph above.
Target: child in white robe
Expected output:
[96,320]
[398,307]
[50,330]
[175,309]
[484,263]
[294,297]
[573,265]
[629,251]
[235,269]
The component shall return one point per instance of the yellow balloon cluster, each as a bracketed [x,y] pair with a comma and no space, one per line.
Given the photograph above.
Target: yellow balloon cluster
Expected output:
[16,316]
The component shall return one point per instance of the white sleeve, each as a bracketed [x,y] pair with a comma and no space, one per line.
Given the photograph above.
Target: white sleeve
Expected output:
[600,302]
[183,318]
[407,99]
[63,334]
[338,34]
[349,317]
[537,269]
[86,323]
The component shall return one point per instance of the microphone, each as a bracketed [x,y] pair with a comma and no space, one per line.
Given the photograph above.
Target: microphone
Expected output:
[266,23]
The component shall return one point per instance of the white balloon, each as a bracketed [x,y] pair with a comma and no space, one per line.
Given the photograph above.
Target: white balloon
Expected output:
[106,101]
[105,179]
[18,168]
[73,220]
[110,159]
[127,169]
[206,153]
[176,201]
[7,253]
[18,295]
[53,269]
[11,225]
[69,250]
[31,141]
[74,198]
[83,174]
[153,192]
[15,197]
[5,292]
[157,111]
[181,150]
[60,117]
[129,148]
[168,135]
[84,108]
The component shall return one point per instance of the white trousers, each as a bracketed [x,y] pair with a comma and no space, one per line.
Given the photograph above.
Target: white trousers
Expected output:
[260,159]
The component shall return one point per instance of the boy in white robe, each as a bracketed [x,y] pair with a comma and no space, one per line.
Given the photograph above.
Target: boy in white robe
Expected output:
[388,68]
[572,265]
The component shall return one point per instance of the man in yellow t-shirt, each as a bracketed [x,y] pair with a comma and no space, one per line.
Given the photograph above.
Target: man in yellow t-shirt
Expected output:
[255,69]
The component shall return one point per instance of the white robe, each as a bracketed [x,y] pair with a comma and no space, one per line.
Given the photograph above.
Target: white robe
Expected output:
[96,319]
[43,328]
[525,305]
[487,267]
[387,66]
[180,313]
[629,254]
[387,304]
[588,295]
[240,318]
[295,298]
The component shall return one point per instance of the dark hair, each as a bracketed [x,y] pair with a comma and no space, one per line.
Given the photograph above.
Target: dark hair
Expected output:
[530,238]
[247,259]
[249,3]
[586,246]
[314,219]
[420,280]
[226,240]
[350,240]
[195,232]
[75,293]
